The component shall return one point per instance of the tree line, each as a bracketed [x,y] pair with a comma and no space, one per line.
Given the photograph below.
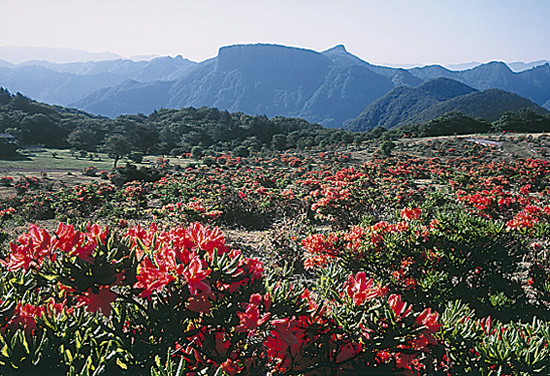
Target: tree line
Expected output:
[165,131]
[206,130]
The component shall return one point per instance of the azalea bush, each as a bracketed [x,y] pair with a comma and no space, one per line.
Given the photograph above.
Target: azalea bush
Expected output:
[407,265]
[451,255]
[92,301]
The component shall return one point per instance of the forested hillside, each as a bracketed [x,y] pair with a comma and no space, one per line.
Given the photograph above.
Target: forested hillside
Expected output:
[406,105]
[166,131]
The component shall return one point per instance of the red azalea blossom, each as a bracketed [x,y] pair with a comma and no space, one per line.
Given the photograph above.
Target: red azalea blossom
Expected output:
[151,278]
[230,367]
[73,242]
[26,315]
[95,301]
[360,289]
[410,214]
[200,303]
[31,251]
[429,320]
[398,307]
[194,275]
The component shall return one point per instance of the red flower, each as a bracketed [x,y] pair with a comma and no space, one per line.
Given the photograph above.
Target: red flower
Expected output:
[94,232]
[32,249]
[383,357]
[207,239]
[74,242]
[200,303]
[250,319]
[26,315]
[404,361]
[94,301]
[230,367]
[410,214]
[359,289]
[150,278]
[429,320]
[194,274]
[398,306]
[285,330]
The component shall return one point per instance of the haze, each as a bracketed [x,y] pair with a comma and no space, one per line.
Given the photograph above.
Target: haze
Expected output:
[384,32]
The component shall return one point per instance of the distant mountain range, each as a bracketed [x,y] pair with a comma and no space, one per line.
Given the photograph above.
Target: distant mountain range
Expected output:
[19,54]
[516,66]
[331,87]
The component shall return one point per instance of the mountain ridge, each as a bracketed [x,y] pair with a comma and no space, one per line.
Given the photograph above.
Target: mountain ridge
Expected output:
[405,105]
[329,87]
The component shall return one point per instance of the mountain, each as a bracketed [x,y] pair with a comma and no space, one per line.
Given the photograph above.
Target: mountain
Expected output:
[463,66]
[328,88]
[66,83]
[519,66]
[145,98]
[533,83]
[6,64]
[445,88]
[516,66]
[547,105]
[145,70]
[401,104]
[18,54]
[406,105]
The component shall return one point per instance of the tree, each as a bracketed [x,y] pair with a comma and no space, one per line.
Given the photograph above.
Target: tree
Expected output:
[387,147]
[197,152]
[83,138]
[117,147]
[7,150]
[241,151]
[278,141]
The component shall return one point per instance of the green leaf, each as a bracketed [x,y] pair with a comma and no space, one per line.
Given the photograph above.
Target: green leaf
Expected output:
[121,364]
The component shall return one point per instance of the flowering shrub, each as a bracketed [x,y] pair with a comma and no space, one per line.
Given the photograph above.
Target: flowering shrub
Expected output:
[128,300]
[401,265]
[6,181]
[90,171]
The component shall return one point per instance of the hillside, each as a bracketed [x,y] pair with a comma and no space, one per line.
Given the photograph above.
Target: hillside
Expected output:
[165,131]
[405,105]
[488,104]
[392,109]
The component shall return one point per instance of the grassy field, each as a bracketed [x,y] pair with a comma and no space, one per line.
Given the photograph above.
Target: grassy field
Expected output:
[62,167]
[55,159]
[46,159]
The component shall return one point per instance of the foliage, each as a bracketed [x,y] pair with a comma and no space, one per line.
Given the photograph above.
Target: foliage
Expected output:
[433,260]
[164,131]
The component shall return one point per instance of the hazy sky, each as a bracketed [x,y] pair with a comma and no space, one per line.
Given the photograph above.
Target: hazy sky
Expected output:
[383,31]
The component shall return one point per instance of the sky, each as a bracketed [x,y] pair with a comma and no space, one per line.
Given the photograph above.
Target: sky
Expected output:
[383,32]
